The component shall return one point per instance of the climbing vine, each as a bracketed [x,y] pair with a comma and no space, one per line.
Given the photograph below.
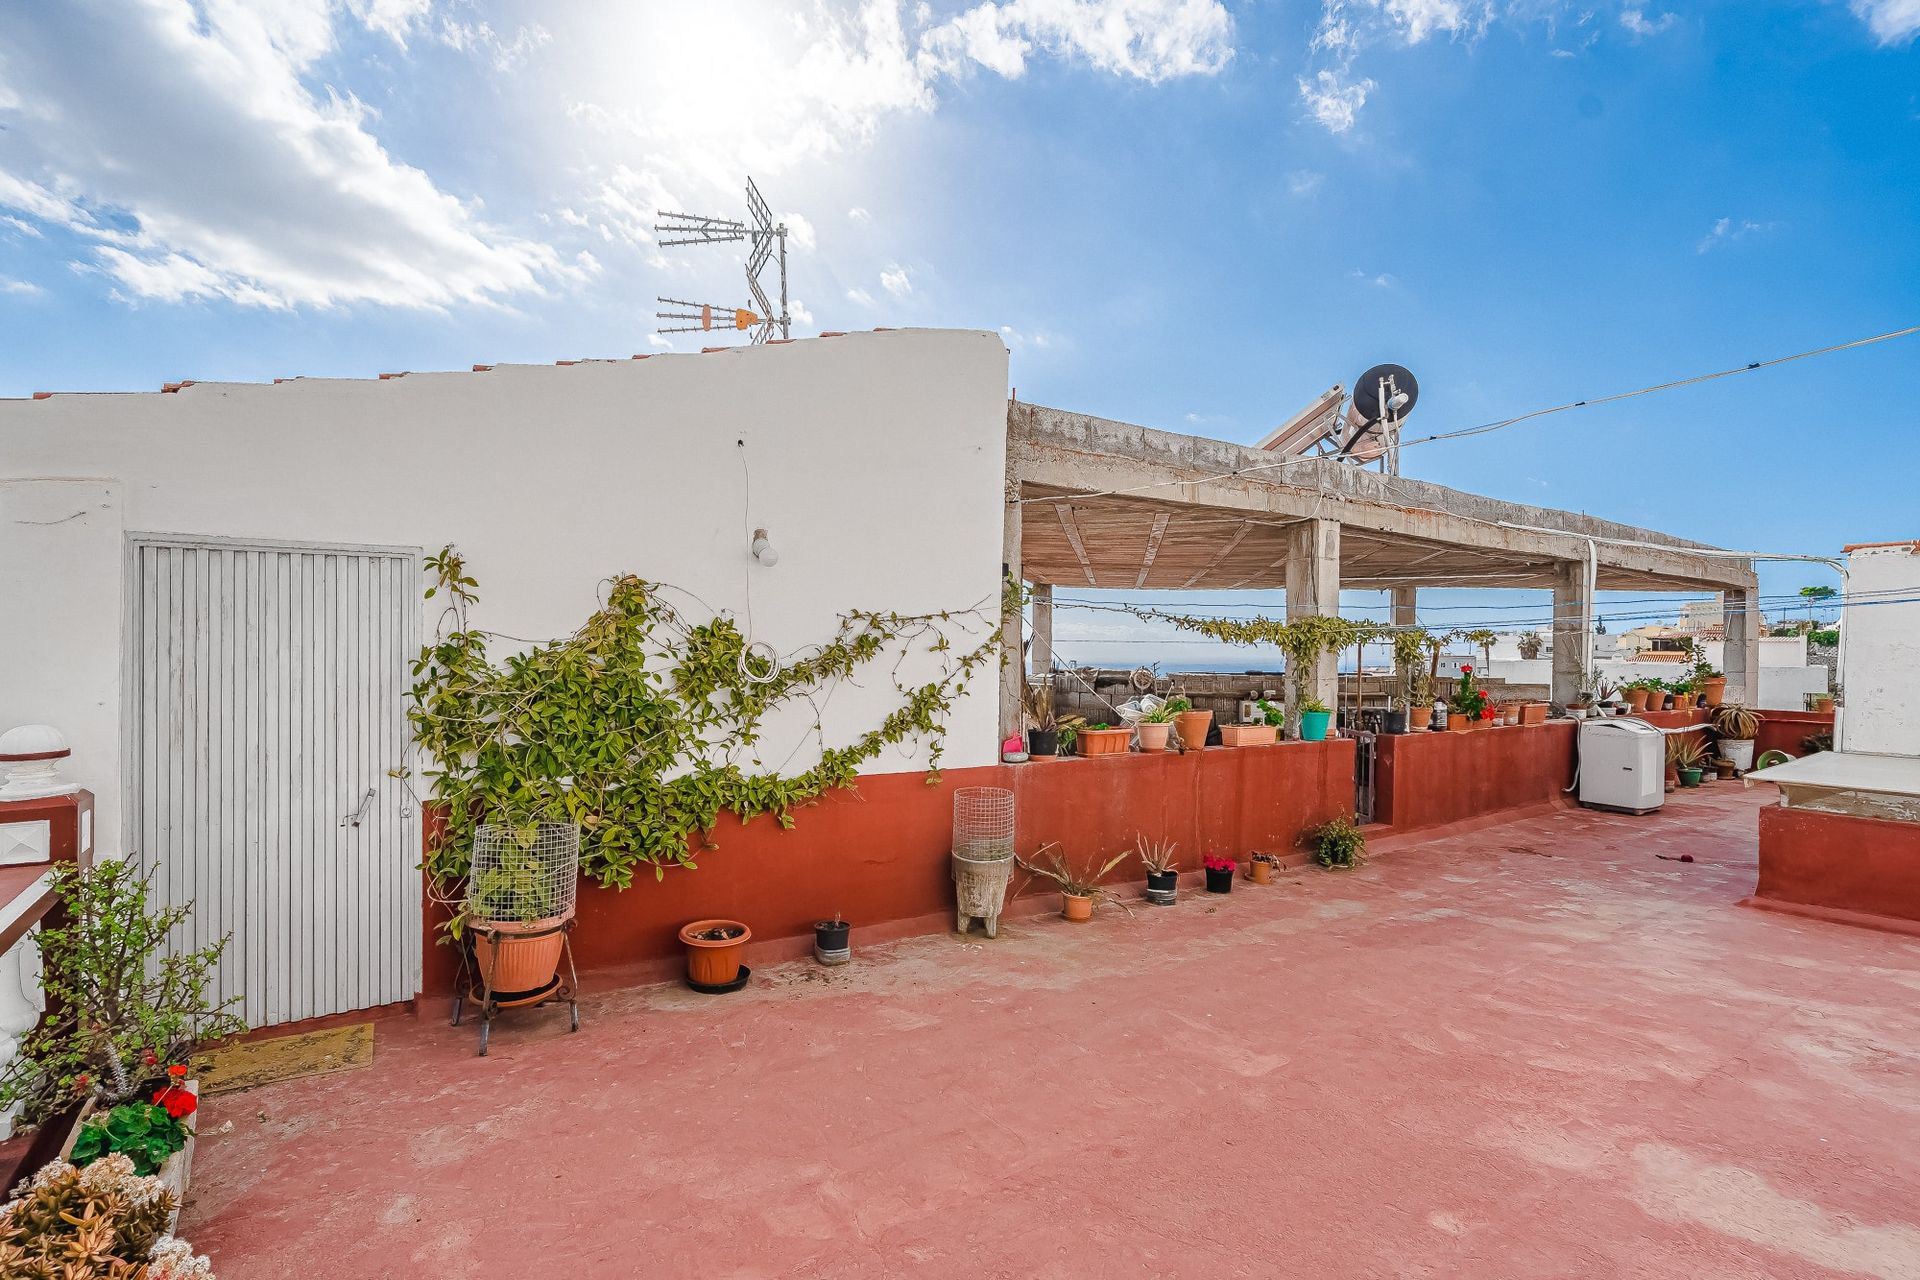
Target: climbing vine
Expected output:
[1302,639]
[643,726]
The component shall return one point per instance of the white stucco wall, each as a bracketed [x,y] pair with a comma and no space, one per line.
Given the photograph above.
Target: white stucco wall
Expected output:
[877,463]
[1880,651]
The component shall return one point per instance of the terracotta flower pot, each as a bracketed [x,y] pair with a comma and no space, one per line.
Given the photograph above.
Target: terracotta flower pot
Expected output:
[1249,735]
[1076,907]
[1102,742]
[1419,718]
[1637,700]
[1154,737]
[1715,689]
[714,962]
[1457,723]
[1823,703]
[1260,871]
[1192,727]
[1533,713]
[514,963]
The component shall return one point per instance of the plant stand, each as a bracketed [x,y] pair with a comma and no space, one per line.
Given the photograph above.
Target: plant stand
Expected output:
[478,987]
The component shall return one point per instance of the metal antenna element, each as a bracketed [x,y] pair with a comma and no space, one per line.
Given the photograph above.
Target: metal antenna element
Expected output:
[764,240]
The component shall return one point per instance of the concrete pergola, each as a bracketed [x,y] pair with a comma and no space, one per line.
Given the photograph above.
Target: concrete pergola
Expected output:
[1097,503]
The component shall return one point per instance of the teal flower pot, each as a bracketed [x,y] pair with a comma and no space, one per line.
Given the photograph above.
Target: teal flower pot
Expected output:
[1313,725]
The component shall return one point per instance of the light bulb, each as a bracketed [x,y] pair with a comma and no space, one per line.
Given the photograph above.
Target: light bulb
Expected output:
[763,549]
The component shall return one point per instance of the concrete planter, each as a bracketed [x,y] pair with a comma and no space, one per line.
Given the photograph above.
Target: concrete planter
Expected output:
[174,1173]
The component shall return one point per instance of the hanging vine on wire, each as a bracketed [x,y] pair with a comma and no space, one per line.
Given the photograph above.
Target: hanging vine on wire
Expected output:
[635,726]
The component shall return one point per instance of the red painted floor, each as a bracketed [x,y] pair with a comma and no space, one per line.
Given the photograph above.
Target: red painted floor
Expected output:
[1535,1050]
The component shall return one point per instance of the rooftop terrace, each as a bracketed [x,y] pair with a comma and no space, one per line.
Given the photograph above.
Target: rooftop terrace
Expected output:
[1527,1049]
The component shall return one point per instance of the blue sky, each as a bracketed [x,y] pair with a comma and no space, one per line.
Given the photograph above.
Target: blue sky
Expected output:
[1194,214]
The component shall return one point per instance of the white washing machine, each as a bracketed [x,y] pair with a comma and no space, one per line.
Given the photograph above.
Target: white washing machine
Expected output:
[1623,765]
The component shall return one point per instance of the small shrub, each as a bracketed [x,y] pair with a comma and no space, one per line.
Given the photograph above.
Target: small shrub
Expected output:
[1337,843]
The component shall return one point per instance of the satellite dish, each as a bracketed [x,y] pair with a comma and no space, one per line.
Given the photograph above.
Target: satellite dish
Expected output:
[1366,391]
[1366,436]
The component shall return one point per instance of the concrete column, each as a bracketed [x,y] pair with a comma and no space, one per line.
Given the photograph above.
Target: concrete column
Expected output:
[1572,628]
[1042,658]
[1313,587]
[1405,614]
[1740,655]
[1013,663]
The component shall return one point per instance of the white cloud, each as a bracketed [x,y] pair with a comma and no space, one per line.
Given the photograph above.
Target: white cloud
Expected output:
[20,226]
[394,19]
[480,39]
[800,313]
[1379,280]
[860,296]
[1333,102]
[660,340]
[799,231]
[1018,340]
[1891,21]
[859,215]
[184,141]
[1151,40]
[1639,26]
[1726,231]
[1305,183]
[20,288]
[896,281]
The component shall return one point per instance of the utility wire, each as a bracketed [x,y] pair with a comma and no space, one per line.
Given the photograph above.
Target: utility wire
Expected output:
[1500,425]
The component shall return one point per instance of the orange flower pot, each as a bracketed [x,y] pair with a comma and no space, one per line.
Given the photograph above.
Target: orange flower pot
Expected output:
[1076,908]
[1192,727]
[1249,735]
[1419,717]
[1637,700]
[714,962]
[1822,704]
[1260,871]
[508,962]
[1533,713]
[1715,689]
[1154,737]
[1460,724]
[1102,742]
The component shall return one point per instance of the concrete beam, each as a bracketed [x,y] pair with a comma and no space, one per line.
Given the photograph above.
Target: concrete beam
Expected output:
[1740,656]
[1073,452]
[1042,652]
[1572,630]
[1313,587]
[1406,613]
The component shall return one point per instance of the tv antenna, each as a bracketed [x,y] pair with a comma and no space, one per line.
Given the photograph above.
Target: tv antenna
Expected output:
[765,240]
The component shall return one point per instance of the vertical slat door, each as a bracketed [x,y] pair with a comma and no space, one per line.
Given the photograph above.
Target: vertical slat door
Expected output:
[265,702]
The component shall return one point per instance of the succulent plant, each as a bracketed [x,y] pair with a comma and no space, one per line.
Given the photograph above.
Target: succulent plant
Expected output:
[1736,722]
[101,1222]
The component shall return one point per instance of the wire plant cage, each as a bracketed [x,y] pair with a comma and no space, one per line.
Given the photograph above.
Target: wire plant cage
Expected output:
[523,875]
[982,855]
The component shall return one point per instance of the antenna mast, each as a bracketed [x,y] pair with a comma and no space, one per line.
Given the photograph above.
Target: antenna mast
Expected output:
[765,240]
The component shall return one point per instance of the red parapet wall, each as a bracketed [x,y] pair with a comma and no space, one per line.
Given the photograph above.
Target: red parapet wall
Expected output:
[1431,779]
[1785,730]
[878,854]
[1835,862]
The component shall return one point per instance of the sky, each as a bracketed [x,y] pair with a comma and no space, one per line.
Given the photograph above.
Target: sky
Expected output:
[1191,214]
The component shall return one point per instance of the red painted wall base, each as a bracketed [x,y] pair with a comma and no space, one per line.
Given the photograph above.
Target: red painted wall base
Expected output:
[879,854]
[1839,864]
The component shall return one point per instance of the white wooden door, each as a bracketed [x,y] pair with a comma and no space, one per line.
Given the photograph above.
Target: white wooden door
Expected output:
[266,714]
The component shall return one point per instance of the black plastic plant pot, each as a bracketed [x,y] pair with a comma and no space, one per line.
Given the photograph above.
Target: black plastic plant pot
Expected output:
[1043,742]
[1396,722]
[832,935]
[1219,879]
[1162,886]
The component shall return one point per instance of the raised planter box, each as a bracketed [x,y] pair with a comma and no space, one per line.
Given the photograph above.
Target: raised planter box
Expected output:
[173,1174]
[1249,735]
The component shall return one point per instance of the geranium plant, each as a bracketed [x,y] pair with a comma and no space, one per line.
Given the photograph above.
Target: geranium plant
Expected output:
[144,1132]
[1218,862]
[1469,699]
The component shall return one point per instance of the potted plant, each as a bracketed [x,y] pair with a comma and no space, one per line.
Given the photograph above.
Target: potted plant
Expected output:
[520,899]
[1689,757]
[1337,844]
[1155,727]
[1079,886]
[1261,867]
[1638,691]
[1737,727]
[101,1221]
[1163,878]
[1220,869]
[1043,730]
[1683,694]
[1102,740]
[832,941]
[1820,703]
[1315,717]
[1191,726]
[1470,707]
[1262,734]
[714,951]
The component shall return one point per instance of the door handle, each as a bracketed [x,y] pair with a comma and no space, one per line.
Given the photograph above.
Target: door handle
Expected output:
[353,819]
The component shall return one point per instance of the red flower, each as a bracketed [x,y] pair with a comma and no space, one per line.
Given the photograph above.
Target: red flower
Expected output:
[81,1081]
[177,1072]
[1486,713]
[180,1103]
[1465,670]
[151,1058]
